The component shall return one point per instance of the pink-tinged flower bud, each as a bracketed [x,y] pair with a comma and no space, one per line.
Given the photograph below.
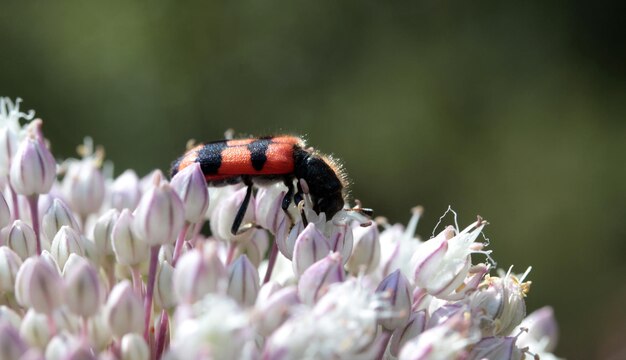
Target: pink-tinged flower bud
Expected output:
[50,260]
[269,211]
[397,291]
[268,289]
[366,250]
[164,295]
[38,285]
[191,187]
[160,215]
[35,330]
[57,216]
[33,168]
[102,232]
[440,342]
[134,347]
[198,274]
[10,263]
[224,215]
[274,310]
[311,246]
[542,331]
[315,281]
[66,242]
[21,239]
[499,304]
[60,346]
[442,263]
[341,239]
[501,348]
[9,315]
[99,333]
[83,289]
[128,248]
[166,253]
[257,247]
[84,186]
[243,281]
[124,310]
[125,191]
[5,212]
[447,312]
[12,346]
[415,326]
[397,245]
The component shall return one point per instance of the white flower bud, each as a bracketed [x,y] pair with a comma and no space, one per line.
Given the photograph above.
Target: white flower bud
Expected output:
[102,232]
[274,310]
[287,243]
[48,258]
[191,187]
[415,326]
[124,310]
[58,215]
[318,277]
[38,286]
[60,346]
[198,274]
[243,281]
[224,215]
[164,295]
[84,186]
[397,291]
[542,331]
[10,264]
[34,329]
[269,211]
[160,215]
[128,248]
[5,212]
[8,147]
[134,347]
[12,346]
[366,250]
[257,247]
[66,242]
[125,191]
[83,290]
[9,315]
[21,239]
[311,246]
[341,239]
[33,168]
[99,332]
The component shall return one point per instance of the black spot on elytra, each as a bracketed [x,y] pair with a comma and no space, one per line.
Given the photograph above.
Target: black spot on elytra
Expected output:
[210,157]
[258,153]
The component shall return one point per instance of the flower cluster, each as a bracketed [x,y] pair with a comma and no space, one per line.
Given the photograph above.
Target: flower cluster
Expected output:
[96,267]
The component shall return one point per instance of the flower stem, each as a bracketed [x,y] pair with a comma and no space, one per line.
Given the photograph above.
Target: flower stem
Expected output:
[154,257]
[136,276]
[271,263]
[34,214]
[162,334]
[179,244]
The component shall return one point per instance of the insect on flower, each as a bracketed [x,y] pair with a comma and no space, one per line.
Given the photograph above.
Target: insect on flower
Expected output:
[268,160]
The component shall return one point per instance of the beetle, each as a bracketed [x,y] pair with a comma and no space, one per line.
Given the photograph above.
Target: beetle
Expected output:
[271,159]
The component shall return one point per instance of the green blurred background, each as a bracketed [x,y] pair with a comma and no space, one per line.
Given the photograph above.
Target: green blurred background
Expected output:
[508,110]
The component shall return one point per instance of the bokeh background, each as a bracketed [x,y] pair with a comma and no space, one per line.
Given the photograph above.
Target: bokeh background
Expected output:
[513,111]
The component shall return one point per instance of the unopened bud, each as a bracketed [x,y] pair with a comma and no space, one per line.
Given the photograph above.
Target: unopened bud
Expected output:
[311,246]
[10,263]
[38,285]
[243,281]
[21,239]
[125,191]
[224,214]
[33,168]
[315,281]
[164,295]
[160,215]
[66,242]
[134,347]
[128,248]
[12,346]
[503,348]
[398,292]
[83,290]
[366,250]
[191,187]
[102,232]
[198,274]
[414,327]
[124,310]
[274,310]
[84,186]
[57,216]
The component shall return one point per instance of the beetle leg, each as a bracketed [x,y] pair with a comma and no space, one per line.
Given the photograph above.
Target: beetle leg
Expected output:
[242,209]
